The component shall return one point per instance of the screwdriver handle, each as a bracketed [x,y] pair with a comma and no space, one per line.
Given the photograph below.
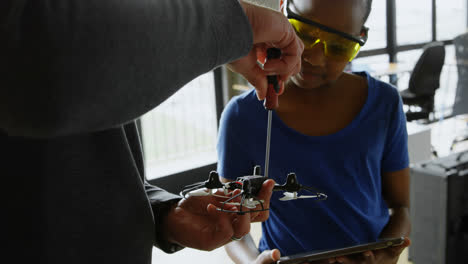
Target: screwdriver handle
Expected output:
[271,99]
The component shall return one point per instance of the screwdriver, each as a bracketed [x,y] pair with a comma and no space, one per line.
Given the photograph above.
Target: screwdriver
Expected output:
[271,102]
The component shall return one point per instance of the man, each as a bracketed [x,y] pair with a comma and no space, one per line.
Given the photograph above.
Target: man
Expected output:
[74,77]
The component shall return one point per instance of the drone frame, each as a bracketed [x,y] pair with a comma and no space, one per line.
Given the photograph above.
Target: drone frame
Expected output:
[250,186]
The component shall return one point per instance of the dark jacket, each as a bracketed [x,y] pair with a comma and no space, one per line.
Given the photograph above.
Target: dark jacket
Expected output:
[74,75]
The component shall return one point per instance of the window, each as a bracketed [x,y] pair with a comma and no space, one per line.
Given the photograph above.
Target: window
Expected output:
[451,18]
[180,134]
[414,21]
[377,26]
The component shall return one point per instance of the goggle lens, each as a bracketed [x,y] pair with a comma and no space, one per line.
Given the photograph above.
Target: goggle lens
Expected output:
[335,47]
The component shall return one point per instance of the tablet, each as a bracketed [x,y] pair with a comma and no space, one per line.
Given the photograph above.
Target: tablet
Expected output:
[325,254]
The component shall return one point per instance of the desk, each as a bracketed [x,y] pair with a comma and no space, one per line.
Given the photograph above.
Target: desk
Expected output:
[439,137]
[392,69]
[444,132]
[382,69]
[457,62]
[379,70]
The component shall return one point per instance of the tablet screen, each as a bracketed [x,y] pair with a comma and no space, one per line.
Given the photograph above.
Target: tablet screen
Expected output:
[325,254]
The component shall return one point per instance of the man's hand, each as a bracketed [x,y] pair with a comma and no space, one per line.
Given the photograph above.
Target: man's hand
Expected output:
[194,222]
[382,256]
[270,29]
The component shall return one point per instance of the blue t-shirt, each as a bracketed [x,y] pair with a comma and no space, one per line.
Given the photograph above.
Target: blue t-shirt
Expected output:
[346,165]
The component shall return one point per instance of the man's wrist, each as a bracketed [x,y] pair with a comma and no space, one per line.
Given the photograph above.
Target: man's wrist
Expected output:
[164,240]
[166,221]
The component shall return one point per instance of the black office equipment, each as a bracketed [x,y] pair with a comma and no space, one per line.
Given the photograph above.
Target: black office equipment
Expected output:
[439,210]
[424,81]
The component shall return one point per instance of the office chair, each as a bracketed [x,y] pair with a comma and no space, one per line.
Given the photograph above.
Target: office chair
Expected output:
[424,81]
[461,52]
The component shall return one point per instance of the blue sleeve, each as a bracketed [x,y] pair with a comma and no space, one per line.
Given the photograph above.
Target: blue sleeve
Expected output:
[395,155]
[233,160]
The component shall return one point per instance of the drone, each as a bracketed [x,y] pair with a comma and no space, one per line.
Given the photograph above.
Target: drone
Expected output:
[250,186]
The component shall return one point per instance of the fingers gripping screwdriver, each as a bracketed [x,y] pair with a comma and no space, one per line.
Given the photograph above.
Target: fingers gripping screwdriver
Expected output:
[271,102]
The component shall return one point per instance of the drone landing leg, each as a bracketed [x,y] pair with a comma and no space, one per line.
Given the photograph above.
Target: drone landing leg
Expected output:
[260,202]
[230,199]
[240,208]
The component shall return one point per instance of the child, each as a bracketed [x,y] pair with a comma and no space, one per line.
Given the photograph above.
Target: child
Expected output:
[342,133]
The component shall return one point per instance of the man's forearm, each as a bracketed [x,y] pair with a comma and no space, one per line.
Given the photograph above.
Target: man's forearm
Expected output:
[79,66]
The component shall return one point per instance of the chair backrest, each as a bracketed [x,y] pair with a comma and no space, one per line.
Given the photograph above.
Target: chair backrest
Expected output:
[461,52]
[461,47]
[425,78]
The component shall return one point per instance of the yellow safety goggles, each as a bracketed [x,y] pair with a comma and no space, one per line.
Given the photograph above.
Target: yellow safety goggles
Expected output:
[337,45]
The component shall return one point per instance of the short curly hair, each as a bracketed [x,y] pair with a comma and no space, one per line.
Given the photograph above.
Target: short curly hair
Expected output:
[366,14]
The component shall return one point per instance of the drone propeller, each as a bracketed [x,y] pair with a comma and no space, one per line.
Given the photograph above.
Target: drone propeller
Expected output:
[293,196]
[292,187]
[200,188]
[248,203]
[203,192]
[200,192]
[250,206]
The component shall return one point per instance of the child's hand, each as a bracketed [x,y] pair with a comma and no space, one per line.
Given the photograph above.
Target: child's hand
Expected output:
[265,195]
[268,257]
[389,255]
[383,256]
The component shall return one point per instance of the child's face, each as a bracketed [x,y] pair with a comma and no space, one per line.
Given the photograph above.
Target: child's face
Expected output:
[346,16]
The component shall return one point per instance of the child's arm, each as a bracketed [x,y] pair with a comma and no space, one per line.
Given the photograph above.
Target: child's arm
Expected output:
[395,188]
[245,251]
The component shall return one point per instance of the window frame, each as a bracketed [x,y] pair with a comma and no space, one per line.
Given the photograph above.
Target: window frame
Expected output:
[175,182]
[392,47]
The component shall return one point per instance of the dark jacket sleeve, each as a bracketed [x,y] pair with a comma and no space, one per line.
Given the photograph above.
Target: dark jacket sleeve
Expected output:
[161,200]
[69,66]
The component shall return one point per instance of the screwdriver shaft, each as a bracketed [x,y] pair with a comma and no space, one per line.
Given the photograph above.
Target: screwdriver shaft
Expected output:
[267,151]
[271,102]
